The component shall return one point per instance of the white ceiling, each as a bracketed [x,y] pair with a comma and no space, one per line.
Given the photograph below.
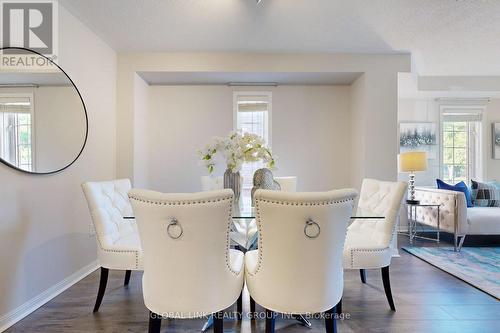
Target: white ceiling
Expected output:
[280,78]
[445,37]
[425,87]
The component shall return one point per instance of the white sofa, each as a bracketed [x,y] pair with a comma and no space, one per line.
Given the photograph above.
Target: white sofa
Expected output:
[456,218]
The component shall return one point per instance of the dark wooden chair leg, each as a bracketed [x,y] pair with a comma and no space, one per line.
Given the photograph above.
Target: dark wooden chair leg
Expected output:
[252,308]
[270,321]
[338,308]
[362,274]
[330,320]
[154,323]
[239,306]
[387,287]
[218,322]
[127,277]
[102,288]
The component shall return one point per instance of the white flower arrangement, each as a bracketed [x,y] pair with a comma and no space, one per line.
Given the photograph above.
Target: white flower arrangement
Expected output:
[237,149]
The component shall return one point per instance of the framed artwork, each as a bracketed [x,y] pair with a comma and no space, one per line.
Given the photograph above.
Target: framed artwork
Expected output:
[496,140]
[418,137]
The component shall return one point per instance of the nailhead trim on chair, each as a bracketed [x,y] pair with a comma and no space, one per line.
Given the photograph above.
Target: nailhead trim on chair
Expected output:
[365,250]
[294,203]
[136,253]
[181,202]
[283,203]
[228,242]
[375,250]
[191,202]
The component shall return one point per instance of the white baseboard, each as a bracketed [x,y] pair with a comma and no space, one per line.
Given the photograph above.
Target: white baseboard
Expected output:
[12,317]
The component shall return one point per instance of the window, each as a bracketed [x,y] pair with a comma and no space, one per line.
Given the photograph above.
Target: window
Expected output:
[460,144]
[252,116]
[16,131]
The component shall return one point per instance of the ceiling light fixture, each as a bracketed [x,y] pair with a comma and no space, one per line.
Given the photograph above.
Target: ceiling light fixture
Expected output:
[258,1]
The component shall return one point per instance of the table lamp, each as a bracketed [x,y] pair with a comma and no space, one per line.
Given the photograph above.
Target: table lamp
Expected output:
[412,162]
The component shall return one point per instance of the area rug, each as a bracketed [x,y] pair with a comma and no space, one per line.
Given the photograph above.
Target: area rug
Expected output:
[478,266]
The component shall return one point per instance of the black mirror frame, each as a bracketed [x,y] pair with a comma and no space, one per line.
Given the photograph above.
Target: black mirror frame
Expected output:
[84,110]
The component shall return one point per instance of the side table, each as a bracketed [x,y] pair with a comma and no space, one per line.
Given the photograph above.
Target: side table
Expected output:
[413,223]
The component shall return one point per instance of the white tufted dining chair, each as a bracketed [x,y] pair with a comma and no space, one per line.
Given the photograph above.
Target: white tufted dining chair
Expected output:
[369,242]
[189,269]
[118,244]
[297,268]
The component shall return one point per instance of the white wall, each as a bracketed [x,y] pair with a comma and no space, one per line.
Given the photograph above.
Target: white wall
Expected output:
[492,167]
[375,147]
[44,233]
[373,138]
[421,110]
[358,105]
[142,137]
[310,125]
[183,119]
[426,109]
[310,135]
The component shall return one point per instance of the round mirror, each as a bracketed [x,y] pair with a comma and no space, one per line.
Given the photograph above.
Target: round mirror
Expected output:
[43,120]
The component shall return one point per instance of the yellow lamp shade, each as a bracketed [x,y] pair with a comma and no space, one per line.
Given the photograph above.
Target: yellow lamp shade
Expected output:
[413,161]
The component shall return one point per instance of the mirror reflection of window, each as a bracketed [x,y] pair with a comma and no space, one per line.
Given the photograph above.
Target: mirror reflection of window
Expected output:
[43,121]
[16,131]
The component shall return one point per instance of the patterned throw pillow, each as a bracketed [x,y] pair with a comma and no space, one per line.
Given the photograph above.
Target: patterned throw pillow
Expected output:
[485,194]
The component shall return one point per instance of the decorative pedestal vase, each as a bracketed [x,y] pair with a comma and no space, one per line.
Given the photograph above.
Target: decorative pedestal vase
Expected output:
[232,180]
[263,179]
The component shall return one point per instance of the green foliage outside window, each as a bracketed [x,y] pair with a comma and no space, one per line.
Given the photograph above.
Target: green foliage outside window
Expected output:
[455,151]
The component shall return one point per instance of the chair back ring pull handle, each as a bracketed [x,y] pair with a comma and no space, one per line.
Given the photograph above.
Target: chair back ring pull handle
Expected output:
[312,229]
[174,229]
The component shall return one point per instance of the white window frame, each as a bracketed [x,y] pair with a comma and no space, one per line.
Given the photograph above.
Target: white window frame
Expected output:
[32,116]
[268,125]
[269,96]
[475,161]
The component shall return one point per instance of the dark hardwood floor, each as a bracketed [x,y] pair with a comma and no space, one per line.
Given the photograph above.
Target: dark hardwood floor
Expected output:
[427,300]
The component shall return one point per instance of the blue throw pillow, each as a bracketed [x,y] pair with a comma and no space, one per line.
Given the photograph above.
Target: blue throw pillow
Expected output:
[459,187]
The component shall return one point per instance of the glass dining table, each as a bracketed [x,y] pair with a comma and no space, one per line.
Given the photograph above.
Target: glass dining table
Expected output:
[244,215]
[243,209]
[244,230]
